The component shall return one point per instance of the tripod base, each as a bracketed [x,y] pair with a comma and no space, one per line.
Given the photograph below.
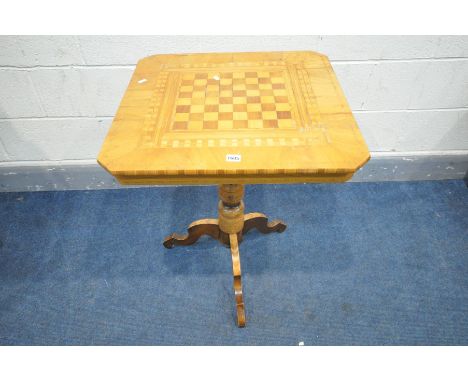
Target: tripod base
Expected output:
[229,230]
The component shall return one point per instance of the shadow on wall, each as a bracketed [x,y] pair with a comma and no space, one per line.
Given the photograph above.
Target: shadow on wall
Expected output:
[25,175]
[9,176]
[9,137]
[453,134]
[25,156]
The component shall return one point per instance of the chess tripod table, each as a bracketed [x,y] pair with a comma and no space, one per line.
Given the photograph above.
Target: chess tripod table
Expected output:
[233,119]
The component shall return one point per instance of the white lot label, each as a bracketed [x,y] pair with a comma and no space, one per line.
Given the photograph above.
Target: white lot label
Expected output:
[233,158]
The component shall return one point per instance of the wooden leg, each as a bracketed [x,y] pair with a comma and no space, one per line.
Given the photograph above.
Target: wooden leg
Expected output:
[260,222]
[195,230]
[236,271]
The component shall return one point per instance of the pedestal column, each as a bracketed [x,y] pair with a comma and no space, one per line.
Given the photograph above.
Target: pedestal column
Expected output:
[231,211]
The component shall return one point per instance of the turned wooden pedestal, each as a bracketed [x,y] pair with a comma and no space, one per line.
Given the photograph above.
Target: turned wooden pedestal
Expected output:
[229,229]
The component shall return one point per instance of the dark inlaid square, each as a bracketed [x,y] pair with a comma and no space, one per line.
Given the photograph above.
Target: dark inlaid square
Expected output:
[180,125]
[183,109]
[240,125]
[240,107]
[225,116]
[283,114]
[281,99]
[239,93]
[210,124]
[268,107]
[253,100]
[211,108]
[271,123]
[278,86]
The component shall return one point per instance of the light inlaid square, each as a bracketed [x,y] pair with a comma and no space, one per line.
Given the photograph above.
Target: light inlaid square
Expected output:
[226,108]
[226,124]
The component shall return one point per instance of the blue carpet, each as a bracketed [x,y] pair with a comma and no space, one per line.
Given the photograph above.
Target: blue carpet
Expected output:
[359,264]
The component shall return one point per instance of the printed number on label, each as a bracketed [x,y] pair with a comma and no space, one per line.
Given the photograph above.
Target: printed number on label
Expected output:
[233,157]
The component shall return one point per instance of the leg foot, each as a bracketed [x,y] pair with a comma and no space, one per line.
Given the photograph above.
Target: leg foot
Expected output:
[195,230]
[260,222]
[236,271]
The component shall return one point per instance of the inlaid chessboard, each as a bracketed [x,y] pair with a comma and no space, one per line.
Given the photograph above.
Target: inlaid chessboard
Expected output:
[232,100]
[233,117]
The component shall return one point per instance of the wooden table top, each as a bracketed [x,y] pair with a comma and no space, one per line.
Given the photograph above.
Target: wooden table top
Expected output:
[269,117]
